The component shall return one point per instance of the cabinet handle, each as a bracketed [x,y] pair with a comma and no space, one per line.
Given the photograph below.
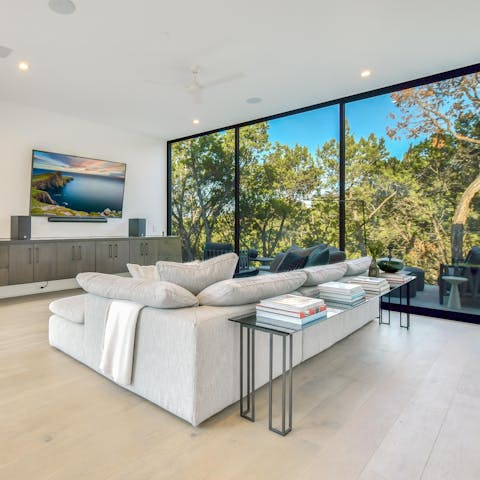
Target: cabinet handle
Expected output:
[146,248]
[80,252]
[116,250]
[29,256]
[73,252]
[37,254]
[110,251]
[141,250]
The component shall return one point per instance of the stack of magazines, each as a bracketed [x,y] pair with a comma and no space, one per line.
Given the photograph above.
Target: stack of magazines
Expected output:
[395,279]
[291,309]
[342,294]
[371,285]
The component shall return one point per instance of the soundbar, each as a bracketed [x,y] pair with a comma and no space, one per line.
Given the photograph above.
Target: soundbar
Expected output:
[78,219]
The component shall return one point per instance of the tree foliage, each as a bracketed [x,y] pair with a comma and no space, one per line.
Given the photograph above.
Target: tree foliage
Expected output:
[289,194]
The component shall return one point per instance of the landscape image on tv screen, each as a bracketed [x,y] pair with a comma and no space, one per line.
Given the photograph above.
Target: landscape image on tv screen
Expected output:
[70,186]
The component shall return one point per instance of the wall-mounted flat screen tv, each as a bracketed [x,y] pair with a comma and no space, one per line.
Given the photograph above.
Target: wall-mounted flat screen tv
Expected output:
[69,186]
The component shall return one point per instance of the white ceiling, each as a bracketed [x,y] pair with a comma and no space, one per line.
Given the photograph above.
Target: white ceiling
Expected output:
[99,63]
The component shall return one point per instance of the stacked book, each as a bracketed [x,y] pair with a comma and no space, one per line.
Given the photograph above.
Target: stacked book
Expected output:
[395,279]
[371,285]
[291,309]
[342,294]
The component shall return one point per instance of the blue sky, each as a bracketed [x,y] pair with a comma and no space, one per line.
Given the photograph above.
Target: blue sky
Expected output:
[314,128]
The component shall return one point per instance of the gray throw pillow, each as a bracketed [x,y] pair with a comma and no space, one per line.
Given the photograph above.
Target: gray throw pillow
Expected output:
[293,261]
[319,256]
[276,262]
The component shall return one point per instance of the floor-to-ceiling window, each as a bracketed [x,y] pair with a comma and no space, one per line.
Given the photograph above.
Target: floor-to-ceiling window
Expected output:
[411,159]
[202,191]
[289,177]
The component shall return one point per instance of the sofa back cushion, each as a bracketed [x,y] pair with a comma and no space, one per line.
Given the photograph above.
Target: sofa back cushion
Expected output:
[358,265]
[150,293]
[197,276]
[324,273]
[148,272]
[242,291]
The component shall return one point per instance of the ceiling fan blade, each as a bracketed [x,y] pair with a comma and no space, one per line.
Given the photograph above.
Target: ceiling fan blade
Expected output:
[5,51]
[197,96]
[223,80]
[161,83]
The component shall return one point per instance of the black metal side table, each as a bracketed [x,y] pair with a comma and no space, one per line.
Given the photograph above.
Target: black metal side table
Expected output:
[249,325]
[398,290]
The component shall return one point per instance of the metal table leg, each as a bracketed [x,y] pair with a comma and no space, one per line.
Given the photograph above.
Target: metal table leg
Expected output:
[380,316]
[407,303]
[249,412]
[284,430]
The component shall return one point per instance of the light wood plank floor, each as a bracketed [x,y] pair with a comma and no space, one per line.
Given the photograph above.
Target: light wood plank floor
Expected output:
[383,404]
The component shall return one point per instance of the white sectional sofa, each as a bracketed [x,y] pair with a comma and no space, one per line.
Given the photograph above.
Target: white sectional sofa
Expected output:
[186,360]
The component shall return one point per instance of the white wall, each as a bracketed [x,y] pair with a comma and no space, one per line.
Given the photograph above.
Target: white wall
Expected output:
[23,129]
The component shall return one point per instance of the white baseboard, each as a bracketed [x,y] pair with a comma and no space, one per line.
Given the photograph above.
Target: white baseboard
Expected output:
[41,287]
[38,287]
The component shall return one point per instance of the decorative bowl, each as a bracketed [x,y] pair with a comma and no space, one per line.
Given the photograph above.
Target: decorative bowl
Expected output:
[390,265]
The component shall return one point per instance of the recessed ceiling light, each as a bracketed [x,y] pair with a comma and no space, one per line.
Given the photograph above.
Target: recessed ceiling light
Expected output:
[366,73]
[196,121]
[62,7]
[23,66]
[5,51]
[254,100]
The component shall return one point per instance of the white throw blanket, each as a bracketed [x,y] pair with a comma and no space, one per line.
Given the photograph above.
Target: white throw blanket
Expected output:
[119,340]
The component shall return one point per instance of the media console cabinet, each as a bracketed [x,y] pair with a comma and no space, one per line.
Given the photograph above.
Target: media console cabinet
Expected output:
[27,261]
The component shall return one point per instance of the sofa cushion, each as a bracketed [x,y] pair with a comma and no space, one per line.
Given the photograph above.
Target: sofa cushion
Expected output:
[148,272]
[197,276]
[324,273]
[242,291]
[276,262]
[313,291]
[70,308]
[336,255]
[358,265]
[151,293]
[319,256]
[293,260]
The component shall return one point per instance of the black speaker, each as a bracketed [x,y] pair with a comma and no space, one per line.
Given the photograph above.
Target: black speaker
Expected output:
[136,227]
[20,227]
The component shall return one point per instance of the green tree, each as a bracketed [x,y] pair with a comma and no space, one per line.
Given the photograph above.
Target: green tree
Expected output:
[447,108]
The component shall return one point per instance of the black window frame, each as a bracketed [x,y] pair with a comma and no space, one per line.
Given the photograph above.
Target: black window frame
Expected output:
[341,102]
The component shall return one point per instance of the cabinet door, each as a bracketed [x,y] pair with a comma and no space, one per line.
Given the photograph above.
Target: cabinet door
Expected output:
[169,249]
[3,265]
[45,262]
[137,247]
[150,252]
[85,257]
[20,269]
[121,253]
[66,259]
[104,257]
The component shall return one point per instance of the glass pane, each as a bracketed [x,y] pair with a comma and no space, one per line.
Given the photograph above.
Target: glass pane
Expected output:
[289,182]
[413,167]
[203,207]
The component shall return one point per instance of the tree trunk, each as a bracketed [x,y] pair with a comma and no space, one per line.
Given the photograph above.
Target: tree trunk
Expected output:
[460,218]
[457,241]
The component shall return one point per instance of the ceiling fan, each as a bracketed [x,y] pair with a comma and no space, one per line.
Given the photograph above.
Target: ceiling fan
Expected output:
[196,86]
